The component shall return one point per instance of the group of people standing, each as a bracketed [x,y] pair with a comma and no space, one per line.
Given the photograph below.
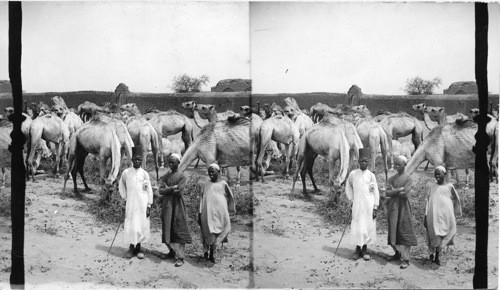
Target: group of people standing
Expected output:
[442,208]
[215,203]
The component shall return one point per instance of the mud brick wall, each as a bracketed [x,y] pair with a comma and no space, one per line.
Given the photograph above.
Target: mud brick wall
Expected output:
[233,100]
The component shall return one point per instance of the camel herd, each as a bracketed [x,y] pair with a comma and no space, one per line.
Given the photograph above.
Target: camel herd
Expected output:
[252,137]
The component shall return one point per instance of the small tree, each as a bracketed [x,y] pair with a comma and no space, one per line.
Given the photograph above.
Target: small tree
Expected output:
[419,86]
[185,83]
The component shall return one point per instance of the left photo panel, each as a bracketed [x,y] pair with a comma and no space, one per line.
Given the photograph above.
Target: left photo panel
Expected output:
[139,148]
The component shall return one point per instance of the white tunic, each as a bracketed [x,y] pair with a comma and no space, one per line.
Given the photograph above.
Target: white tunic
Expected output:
[135,187]
[362,190]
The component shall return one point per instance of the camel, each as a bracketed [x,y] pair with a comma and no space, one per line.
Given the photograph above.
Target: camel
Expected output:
[41,150]
[86,110]
[191,111]
[5,155]
[50,128]
[373,134]
[318,111]
[492,131]
[407,148]
[142,134]
[422,109]
[99,139]
[174,146]
[39,109]
[121,130]
[272,150]
[272,110]
[207,111]
[301,120]
[440,116]
[168,123]
[25,126]
[494,154]
[227,142]
[403,125]
[282,130]
[351,134]
[449,145]
[329,141]
[72,120]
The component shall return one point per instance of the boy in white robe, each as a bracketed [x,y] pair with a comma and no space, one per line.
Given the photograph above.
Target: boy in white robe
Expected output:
[362,190]
[135,187]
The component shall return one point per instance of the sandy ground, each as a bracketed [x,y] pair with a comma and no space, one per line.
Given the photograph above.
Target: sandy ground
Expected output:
[294,247]
[64,246]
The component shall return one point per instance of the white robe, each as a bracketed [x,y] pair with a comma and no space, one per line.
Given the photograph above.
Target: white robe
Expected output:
[135,187]
[364,200]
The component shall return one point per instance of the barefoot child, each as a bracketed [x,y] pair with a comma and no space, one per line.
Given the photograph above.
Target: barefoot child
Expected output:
[216,202]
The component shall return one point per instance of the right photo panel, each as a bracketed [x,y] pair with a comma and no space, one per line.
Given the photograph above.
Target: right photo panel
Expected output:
[368,118]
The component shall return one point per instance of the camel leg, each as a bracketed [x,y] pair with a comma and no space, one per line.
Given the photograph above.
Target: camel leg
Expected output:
[58,159]
[300,162]
[79,167]
[161,162]
[310,172]
[71,165]
[34,139]
[287,160]
[238,175]
[264,140]
[331,167]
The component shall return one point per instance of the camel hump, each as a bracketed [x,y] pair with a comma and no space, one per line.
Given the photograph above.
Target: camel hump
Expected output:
[464,122]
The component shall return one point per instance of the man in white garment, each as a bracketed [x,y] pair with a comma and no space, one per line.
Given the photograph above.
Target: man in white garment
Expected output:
[135,187]
[362,190]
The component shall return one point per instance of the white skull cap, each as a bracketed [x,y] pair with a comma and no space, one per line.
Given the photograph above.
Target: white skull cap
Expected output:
[214,165]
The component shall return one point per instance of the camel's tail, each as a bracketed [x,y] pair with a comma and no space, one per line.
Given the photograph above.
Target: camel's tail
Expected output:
[71,159]
[344,158]
[301,152]
[115,157]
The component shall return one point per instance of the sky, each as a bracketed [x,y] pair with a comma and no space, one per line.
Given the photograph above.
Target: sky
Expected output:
[283,47]
[72,46]
[328,47]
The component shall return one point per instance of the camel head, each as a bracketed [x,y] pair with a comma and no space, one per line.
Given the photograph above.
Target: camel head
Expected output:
[290,112]
[40,109]
[275,109]
[189,106]
[206,110]
[245,111]
[131,108]
[474,113]
[58,110]
[8,111]
[361,109]
[435,112]
[419,108]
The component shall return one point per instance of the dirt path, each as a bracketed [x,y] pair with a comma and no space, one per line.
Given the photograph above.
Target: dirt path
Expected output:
[64,244]
[294,247]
